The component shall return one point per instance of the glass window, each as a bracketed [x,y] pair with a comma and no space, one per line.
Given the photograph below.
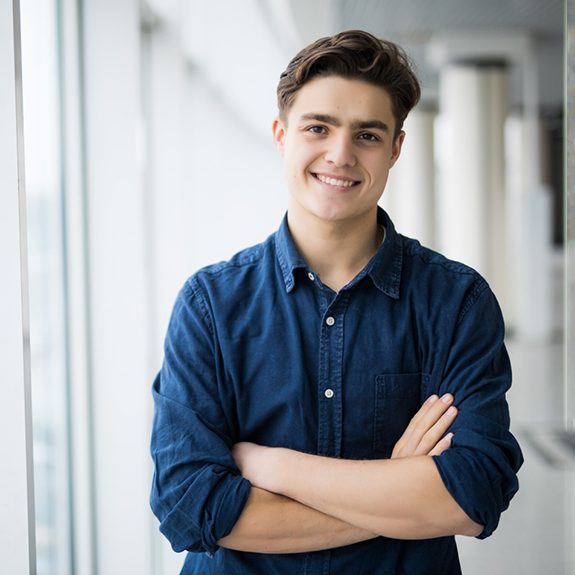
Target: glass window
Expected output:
[42,141]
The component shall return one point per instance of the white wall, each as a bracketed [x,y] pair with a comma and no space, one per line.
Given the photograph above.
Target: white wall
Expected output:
[177,177]
[213,177]
[120,379]
[217,179]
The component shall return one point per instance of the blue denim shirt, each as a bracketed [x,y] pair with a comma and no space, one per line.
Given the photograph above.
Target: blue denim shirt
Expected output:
[258,349]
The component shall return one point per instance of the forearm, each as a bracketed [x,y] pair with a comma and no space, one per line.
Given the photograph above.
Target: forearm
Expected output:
[400,498]
[272,523]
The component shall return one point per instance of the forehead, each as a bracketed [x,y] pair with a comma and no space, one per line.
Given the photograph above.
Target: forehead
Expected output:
[346,99]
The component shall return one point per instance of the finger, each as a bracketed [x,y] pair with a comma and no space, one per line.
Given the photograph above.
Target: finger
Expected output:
[429,415]
[425,407]
[442,445]
[423,410]
[436,432]
[431,411]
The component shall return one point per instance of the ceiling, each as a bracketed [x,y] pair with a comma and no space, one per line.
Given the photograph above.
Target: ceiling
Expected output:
[416,24]
[418,18]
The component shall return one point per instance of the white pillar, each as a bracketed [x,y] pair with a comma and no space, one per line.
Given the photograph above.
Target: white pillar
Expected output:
[529,234]
[410,195]
[470,154]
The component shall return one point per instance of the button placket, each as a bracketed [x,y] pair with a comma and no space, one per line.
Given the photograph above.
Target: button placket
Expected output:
[330,377]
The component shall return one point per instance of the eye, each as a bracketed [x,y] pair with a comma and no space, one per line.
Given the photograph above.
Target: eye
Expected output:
[317,129]
[368,137]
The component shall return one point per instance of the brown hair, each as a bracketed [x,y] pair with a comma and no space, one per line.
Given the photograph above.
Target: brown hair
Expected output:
[354,54]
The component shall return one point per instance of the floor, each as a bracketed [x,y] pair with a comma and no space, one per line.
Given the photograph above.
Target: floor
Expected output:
[537,533]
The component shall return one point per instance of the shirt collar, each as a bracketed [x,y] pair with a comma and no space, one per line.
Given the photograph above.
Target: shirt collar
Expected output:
[288,256]
[384,268]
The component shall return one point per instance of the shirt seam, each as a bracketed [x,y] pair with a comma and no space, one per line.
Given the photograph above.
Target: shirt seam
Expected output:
[443,262]
[195,292]
[478,290]
[244,260]
[480,285]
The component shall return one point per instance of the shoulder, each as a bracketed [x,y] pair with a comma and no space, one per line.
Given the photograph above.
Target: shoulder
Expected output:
[424,257]
[426,268]
[240,272]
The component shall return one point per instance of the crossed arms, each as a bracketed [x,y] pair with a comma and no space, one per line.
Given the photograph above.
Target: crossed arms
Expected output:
[300,502]
[275,500]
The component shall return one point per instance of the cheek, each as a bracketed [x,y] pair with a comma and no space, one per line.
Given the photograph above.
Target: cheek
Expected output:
[379,169]
[294,162]
[291,174]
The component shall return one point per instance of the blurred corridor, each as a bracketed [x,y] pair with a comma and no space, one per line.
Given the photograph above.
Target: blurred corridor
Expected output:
[140,149]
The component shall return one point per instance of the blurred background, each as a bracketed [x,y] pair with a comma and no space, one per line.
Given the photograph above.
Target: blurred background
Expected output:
[136,147]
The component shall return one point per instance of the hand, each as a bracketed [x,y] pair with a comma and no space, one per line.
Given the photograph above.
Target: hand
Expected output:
[425,433]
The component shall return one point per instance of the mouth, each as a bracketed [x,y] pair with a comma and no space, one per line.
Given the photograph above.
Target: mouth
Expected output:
[335,182]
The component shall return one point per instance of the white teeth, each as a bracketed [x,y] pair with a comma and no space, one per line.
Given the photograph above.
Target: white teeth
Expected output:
[335,182]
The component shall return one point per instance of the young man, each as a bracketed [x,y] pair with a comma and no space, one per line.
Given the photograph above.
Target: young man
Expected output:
[309,384]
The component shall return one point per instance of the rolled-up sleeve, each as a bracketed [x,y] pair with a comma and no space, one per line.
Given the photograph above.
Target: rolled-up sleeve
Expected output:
[197,490]
[480,469]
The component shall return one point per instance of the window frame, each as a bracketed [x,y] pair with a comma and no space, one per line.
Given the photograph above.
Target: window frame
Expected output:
[17,529]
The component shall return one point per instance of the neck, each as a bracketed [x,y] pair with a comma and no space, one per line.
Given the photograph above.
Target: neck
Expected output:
[336,251]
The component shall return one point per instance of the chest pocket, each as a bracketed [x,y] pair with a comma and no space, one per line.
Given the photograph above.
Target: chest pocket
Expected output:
[398,397]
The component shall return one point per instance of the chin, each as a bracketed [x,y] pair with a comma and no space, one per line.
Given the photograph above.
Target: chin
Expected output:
[322,210]
[331,215]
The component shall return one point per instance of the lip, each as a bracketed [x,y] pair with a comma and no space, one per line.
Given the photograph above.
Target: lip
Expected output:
[323,177]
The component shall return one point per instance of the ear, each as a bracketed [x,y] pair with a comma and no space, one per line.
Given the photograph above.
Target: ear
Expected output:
[279,133]
[396,148]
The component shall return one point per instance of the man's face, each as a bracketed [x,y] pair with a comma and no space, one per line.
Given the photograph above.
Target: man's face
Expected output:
[337,143]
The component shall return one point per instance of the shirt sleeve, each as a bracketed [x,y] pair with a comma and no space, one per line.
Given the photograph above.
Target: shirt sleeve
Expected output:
[480,469]
[197,490]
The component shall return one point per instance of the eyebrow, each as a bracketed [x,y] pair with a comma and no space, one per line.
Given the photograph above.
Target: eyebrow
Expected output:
[357,125]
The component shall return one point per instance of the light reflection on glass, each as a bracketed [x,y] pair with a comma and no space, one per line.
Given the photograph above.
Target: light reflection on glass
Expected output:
[41,94]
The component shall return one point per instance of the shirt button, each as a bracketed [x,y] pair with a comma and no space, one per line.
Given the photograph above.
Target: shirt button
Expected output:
[328,393]
[330,321]
[310,276]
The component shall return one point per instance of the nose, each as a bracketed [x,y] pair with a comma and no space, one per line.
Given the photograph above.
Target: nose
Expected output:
[340,151]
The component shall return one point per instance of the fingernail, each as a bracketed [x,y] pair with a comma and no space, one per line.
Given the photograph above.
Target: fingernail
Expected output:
[432,398]
[451,411]
[447,398]
[449,437]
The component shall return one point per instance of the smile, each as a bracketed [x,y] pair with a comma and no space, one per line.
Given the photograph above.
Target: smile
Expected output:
[336,181]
